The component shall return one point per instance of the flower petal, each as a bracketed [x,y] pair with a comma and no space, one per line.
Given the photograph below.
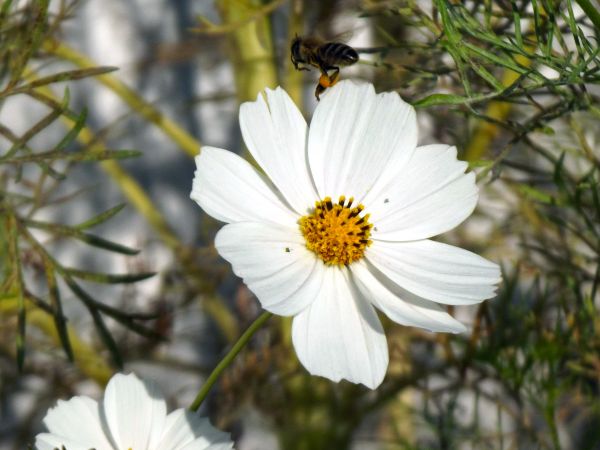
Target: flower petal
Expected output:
[229,189]
[47,441]
[430,195]
[274,262]
[185,430]
[354,134]
[199,445]
[78,422]
[275,134]
[400,305]
[135,412]
[435,271]
[339,335]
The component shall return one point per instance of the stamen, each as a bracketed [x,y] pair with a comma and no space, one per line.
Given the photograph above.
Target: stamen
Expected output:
[336,232]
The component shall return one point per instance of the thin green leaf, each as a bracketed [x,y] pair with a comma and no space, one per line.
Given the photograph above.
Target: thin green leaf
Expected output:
[558,168]
[536,194]
[450,31]
[100,218]
[70,75]
[486,75]
[17,277]
[596,281]
[90,239]
[451,99]
[60,322]
[106,338]
[101,327]
[575,31]
[74,131]
[495,59]
[33,40]
[441,99]
[517,24]
[129,320]
[596,200]
[53,104]
[21,143]
[71,156]
[107,278]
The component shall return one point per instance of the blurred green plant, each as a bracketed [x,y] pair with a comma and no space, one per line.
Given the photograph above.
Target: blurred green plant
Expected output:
[29,179]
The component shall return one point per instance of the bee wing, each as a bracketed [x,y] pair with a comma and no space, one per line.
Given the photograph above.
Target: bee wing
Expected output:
[327,35]
[342,36]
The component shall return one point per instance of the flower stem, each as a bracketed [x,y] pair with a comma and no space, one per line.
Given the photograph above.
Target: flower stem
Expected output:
[242,341]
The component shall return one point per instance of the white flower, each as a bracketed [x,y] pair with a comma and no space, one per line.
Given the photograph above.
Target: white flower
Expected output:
[341,224]
[133,416]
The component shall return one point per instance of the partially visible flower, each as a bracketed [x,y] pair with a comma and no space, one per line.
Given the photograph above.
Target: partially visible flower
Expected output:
[133,416]
[340,224]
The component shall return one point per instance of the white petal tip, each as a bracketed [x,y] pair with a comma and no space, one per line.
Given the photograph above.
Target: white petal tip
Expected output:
[371,384]
[459,330]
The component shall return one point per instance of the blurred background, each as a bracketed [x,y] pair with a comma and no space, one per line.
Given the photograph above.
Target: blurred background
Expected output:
[107,265]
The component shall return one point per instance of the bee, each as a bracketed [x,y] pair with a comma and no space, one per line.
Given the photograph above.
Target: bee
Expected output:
[325,56]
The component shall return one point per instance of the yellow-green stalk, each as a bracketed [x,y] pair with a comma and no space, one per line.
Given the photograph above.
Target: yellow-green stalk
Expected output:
[178,135]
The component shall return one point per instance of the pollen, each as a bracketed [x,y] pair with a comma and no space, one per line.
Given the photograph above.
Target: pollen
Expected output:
[337,232]
[326,81]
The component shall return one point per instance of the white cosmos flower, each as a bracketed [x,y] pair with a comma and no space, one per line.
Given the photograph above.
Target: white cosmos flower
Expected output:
[133,416]
[341,223]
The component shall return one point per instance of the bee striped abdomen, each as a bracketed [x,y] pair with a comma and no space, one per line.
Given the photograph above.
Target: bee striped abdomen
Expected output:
[337,54]
[328,57]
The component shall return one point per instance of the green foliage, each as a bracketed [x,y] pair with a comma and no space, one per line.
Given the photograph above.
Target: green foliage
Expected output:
[24,192]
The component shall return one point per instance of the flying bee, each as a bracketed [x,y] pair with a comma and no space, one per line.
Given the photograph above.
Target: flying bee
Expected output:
[325,56]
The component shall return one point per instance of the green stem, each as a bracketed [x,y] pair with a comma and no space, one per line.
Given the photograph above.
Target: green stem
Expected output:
[242,341]
[591,11]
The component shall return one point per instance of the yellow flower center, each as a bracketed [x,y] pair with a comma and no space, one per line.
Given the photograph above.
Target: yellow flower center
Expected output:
[336,232]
